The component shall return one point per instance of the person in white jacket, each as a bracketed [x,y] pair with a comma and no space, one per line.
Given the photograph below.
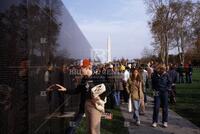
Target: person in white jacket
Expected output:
[125,79]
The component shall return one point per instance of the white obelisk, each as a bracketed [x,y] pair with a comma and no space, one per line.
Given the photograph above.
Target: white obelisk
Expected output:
[109,56]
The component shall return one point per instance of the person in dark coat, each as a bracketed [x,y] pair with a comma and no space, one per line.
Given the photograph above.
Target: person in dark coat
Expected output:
[173,76]
[161,84]
[55,97]
[190,73]
[181,73]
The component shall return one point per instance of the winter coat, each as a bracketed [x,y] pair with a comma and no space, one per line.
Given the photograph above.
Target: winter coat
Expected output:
[161,83]
[134,88]
[118,84]
[173,75]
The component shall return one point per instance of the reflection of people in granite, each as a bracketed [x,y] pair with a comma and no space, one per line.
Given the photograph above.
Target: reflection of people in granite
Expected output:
[20,100]
[34,86]
[14,99]
[56,96]
[48,82]
[5,108]
[47,75]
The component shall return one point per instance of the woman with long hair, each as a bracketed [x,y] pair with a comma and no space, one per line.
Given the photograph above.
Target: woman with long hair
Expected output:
[134,88]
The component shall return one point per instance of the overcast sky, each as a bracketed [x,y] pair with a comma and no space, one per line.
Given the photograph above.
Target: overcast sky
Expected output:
[125,20]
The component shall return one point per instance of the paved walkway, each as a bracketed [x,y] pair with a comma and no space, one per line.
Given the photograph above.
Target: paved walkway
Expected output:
[176,124]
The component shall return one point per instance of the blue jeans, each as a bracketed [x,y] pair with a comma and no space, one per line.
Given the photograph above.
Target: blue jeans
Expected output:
[162,98]
[117,97]
[136,106]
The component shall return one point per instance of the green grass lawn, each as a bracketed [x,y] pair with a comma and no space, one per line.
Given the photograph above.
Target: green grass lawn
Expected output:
[114,126]
[188,99]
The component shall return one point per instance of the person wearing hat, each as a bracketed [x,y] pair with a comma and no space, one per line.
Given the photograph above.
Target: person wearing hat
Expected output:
[122,68]
[92,88]
[161,84]
[92,99]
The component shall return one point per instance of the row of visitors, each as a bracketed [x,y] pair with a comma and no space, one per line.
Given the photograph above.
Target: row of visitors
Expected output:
[184,73]
[106,86]
[135,81]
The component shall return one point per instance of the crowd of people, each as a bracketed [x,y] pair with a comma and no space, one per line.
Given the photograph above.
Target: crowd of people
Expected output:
[106,86]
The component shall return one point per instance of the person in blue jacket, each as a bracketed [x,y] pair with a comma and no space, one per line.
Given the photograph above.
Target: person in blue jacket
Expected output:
[173,76]
[161,84]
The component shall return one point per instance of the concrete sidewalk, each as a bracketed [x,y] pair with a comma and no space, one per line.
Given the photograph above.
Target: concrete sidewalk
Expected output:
[176,124]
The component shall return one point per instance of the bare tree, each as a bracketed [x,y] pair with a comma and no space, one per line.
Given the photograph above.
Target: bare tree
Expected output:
[147,52]
[161,24]
[196,26]
[171,26]
[182,27]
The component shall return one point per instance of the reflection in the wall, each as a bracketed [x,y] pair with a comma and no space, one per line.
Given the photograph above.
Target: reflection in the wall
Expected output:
[39,40]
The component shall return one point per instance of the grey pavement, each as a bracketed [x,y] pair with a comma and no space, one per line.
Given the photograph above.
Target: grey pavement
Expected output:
[176,123]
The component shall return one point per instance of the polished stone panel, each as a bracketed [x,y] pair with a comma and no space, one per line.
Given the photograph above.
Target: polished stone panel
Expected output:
[35,33]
